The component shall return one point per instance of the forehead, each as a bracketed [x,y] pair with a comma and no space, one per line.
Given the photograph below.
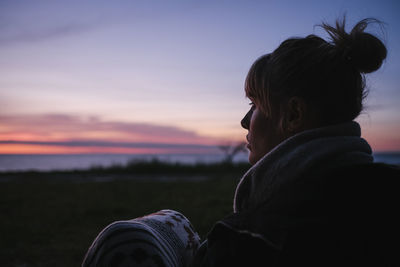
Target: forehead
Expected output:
[257,77]
[250,88]
[253,93]
[250,95]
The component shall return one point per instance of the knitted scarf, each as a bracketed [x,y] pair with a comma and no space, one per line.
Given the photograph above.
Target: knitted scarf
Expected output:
[324,149]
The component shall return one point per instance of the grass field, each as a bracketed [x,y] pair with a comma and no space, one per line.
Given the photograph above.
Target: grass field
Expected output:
[52,223]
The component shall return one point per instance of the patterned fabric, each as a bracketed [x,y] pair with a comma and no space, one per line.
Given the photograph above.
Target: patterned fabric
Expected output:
[164,238]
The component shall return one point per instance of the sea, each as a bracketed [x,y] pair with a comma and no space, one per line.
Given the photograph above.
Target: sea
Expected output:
[62,162]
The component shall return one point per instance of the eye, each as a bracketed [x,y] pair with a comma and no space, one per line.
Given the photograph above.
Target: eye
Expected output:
[253,106]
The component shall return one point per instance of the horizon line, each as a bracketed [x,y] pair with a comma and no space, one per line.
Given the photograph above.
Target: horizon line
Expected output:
[107,144]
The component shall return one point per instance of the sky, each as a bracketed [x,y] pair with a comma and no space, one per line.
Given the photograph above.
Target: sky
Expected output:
[161,76]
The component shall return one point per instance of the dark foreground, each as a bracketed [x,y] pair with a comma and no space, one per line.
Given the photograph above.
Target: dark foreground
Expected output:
[52,222]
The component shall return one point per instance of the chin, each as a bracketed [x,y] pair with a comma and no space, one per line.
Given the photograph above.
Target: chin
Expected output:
[252,159]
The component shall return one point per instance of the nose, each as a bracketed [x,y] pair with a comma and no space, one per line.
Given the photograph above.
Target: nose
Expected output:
[245,122]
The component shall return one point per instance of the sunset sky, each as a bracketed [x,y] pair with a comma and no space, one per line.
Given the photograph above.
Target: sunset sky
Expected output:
[161,76]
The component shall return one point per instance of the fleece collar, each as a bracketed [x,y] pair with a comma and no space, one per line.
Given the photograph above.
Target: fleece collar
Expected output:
[316,149]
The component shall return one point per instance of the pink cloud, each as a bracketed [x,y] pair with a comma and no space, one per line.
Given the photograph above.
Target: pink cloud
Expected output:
[62,127]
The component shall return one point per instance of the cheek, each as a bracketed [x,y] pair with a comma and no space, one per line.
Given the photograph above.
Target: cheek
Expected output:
[258,133]
[264,135]
[259,125]
[260,138]
[258,144]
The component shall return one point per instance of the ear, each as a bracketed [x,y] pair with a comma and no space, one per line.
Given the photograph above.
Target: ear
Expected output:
[295,115]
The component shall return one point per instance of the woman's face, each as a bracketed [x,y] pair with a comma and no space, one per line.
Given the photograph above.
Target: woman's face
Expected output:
[263,133]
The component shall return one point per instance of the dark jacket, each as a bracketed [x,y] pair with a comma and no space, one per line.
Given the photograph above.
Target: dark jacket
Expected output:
[347,217]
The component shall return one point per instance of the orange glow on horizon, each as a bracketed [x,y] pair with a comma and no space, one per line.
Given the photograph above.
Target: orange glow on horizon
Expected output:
[386,145]
[383,137]
[110,138]
[64,134]
[42,149]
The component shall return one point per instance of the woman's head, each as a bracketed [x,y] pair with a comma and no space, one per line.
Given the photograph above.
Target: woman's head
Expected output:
[309,82]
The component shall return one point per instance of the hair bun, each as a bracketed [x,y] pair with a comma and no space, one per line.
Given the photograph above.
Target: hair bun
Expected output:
[363,50]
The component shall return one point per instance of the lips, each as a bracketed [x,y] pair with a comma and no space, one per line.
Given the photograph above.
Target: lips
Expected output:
[248,143]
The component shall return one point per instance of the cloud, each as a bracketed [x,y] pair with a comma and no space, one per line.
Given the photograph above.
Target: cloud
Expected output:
[29,36]
[111,144]
[63,127]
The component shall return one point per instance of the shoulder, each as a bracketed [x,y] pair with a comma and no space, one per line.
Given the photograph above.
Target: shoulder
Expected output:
[330,213]
[371,170]
[363,181]
[359,192]
[367,182]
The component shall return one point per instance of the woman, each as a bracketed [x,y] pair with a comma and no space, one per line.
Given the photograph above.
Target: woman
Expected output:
[313,196]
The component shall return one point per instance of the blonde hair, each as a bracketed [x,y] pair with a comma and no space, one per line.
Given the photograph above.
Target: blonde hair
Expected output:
[327,75]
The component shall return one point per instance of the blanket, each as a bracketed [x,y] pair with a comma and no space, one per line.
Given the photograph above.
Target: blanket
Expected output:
[164,238]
